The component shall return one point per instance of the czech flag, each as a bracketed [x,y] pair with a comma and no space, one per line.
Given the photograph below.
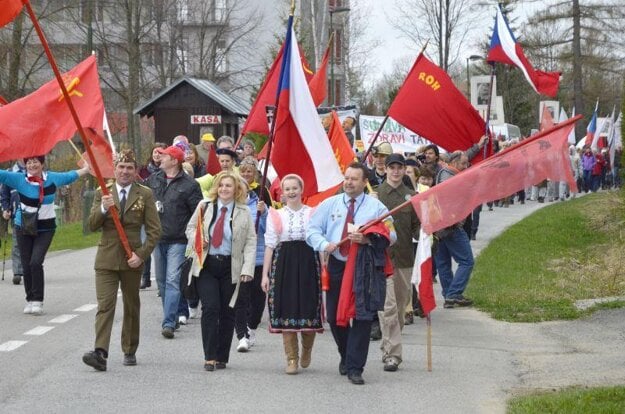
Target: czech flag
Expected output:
[504,48]
[301,145]
[591,129]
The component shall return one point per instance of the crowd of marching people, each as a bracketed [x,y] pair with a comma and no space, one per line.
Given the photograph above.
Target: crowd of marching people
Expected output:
[223,249]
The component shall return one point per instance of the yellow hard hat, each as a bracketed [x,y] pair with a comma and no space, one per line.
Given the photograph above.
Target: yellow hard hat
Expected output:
[208,137]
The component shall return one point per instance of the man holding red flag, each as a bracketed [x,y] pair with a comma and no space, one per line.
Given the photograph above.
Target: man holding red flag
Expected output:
[335,219]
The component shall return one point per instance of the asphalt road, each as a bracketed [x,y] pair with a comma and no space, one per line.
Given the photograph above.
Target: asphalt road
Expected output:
[477,362]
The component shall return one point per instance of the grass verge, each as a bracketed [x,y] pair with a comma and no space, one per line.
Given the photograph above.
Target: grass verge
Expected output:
[67,236]
[539,267]
[571,401]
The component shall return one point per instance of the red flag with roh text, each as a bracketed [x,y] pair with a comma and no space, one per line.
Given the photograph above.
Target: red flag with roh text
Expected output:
[543,156]
[34,124]
[9,9]
[429,104]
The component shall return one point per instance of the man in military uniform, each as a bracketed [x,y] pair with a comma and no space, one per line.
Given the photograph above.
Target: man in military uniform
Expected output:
[136,206]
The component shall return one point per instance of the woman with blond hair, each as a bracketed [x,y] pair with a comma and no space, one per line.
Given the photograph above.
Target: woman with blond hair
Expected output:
[227,259]
[291,276]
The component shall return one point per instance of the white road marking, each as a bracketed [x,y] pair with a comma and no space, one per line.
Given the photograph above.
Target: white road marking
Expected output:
[39,330]
[11,345]
[86,308]
[62,318]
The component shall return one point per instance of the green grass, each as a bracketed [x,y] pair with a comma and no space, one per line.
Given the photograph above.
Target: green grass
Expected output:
[67,236]
[605,400]
[537,268]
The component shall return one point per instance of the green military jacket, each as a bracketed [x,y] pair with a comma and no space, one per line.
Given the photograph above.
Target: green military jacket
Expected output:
[140,211]
[405,221]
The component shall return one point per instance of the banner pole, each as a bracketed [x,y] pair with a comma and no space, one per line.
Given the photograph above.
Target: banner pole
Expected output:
[429,342]
[83,136]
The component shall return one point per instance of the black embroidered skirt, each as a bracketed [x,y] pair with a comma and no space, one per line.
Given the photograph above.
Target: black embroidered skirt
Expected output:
[295,289]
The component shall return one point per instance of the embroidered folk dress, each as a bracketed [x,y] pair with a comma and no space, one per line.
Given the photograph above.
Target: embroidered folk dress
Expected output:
[294,278]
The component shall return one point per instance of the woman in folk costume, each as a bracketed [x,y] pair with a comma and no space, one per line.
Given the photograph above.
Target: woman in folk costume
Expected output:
[35,220]
[291,276]
[221,234]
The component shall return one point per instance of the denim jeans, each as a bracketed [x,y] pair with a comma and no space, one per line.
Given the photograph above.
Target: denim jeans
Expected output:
[167,260]
[458,247]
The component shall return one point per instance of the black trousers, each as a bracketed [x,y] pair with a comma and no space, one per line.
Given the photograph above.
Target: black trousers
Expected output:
[215,289]
[352,341]
[250,305]
[33,251]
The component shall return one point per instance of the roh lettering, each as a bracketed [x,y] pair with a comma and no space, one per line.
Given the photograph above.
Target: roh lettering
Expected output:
[429,80]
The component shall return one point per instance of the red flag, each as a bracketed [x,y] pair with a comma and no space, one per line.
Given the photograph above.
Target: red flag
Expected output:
[319,83]
[257,119]
[301,145]
[343,153]
[102,152]
[212,162]
[9,9]
[33,124]
[429,104]
[542,156]
[546,120]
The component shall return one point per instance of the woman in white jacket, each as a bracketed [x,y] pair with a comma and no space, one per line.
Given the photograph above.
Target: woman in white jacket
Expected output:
[225,258]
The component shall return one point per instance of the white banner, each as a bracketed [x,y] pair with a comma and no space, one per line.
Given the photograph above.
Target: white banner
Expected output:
[401,139]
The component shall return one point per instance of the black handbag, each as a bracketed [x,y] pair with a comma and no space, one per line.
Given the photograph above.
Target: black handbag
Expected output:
[189,290]
[29,223]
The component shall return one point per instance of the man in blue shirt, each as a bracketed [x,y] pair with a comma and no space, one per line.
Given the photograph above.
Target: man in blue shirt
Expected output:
[327,226]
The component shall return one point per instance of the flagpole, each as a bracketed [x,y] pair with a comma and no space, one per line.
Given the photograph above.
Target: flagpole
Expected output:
[3,101]
[83,136]
[490,96]
[429,342]
[272,130]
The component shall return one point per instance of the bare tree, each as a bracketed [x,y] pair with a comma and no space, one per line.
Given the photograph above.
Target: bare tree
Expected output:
[590,44]
[445,23]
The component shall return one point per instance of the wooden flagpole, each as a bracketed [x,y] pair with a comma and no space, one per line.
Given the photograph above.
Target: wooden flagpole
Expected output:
[429,343]
[83,136]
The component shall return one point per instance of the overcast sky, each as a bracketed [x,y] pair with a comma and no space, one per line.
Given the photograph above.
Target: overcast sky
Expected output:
[380,26]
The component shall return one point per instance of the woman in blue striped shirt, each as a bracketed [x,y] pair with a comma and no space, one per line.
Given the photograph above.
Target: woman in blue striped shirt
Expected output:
[37,189]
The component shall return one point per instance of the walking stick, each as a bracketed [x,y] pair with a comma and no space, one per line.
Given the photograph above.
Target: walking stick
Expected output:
[429,343]
[4,255]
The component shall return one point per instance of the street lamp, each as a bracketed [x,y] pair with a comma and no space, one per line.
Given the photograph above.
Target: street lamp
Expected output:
[471,58]
[333,10]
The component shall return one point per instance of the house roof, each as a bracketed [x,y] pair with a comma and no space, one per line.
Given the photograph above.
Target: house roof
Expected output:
[208,88]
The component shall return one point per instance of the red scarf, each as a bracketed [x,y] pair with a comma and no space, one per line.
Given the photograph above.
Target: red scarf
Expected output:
[38,180]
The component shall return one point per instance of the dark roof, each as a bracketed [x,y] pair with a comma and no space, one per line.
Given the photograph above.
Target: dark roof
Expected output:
[208,88]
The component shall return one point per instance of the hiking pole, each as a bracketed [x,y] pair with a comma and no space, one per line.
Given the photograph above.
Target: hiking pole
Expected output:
[4,256]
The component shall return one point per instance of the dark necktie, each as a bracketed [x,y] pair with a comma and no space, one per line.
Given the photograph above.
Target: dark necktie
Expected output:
[218,230]
[122,201]
[349,219]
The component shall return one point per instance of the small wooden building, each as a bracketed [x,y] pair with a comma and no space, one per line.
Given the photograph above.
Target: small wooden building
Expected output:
[192,107]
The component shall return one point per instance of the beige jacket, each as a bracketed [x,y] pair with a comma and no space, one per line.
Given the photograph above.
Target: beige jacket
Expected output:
[243,242]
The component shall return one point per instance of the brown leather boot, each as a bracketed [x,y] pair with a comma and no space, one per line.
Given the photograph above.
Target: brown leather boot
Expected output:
[291,350]
[308,339]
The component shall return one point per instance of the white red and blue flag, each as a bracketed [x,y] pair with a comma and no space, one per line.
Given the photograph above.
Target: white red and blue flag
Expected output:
[301,145]
[504,48]
[591,129]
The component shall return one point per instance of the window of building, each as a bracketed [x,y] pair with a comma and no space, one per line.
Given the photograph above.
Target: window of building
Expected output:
[221,10]
[221,61]
[338,46]
[183,10]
